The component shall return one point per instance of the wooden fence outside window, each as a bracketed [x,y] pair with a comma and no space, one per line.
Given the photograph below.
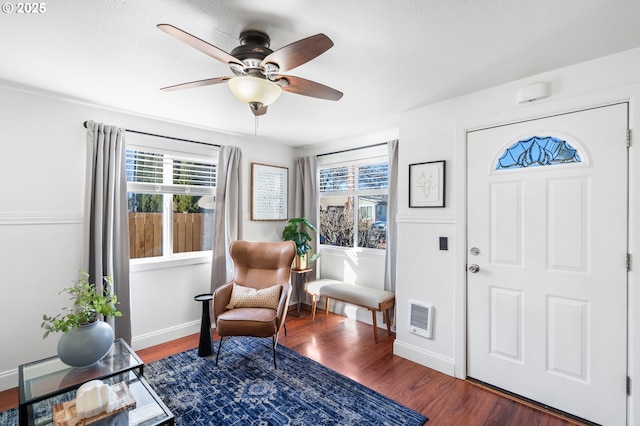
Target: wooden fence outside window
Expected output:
[145,233]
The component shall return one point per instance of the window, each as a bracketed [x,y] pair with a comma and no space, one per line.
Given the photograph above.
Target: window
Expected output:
[170,198]
[353,198]
[538,151]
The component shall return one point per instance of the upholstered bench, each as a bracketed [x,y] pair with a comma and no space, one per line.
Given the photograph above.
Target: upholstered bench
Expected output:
[373,299]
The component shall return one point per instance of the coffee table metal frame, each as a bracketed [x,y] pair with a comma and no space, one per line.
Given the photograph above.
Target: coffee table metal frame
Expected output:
[50,379]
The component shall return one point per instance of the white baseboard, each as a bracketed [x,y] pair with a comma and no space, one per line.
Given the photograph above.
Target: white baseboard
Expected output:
[8,379]
[165,335]
[428,359]
[352,311]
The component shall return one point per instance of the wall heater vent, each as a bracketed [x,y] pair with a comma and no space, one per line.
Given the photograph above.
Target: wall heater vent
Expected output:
[421,319]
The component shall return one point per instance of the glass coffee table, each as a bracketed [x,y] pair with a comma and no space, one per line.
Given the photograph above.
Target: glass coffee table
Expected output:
[47,382]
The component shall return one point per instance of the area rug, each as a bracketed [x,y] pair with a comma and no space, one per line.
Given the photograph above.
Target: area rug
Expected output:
[245,389]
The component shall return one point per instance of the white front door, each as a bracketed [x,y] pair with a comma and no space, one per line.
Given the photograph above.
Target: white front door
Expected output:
[547,303]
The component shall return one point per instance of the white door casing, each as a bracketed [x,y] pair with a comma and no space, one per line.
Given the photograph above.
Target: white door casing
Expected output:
[547,309]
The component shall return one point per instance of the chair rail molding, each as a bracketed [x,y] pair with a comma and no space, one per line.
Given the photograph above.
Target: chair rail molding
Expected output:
[45,218]
[431,217]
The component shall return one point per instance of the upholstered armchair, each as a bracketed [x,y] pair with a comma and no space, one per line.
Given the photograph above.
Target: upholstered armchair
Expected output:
[254,303]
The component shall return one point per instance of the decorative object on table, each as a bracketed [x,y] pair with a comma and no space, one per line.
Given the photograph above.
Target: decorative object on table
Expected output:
[269,192]
[427,184]
[93,398]
[86,339]
[297,231]
[94,401]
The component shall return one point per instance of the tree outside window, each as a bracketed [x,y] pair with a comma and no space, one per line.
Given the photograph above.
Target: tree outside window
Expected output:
[353,205]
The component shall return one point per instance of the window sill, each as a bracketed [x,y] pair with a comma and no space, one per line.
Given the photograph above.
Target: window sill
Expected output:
[361,250]
[173,261]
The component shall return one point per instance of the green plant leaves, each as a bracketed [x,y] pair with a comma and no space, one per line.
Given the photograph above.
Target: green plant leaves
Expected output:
[296,231]
[88,305]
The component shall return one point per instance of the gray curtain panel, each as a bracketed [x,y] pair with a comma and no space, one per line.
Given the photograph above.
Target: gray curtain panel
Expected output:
[306,197]
[392,235]
[228,214]
[106,224]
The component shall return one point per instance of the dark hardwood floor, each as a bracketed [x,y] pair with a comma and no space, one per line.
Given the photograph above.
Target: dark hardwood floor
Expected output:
[347,346]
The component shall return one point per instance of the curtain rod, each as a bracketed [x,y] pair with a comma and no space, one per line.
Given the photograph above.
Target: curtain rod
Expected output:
[353,149]
[166,137]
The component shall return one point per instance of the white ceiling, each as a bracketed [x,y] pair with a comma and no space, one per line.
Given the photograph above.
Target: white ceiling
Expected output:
[389,55]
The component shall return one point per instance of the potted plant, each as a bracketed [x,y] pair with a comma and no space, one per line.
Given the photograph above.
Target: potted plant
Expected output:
[297,231]
[86,338]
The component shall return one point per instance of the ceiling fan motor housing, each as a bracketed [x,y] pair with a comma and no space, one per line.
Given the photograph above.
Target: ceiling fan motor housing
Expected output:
[254,47]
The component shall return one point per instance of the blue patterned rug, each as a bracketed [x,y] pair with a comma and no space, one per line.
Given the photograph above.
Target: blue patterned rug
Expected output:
[246,390]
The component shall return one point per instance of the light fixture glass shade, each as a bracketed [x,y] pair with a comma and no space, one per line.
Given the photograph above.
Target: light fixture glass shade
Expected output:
[254,90]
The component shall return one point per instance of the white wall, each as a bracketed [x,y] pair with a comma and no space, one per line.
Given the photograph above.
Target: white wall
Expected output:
[42,164]
[437,132]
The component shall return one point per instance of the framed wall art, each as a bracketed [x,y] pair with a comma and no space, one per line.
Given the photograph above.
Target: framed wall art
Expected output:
[269,192]
[427,184]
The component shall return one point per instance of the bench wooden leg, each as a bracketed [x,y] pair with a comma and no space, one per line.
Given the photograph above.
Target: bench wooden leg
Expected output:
[326,309]
[375,325]
[387,317]
[314,302]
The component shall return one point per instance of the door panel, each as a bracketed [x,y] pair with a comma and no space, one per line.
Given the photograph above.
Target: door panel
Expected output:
[568,352]
[547,307]
[568,219]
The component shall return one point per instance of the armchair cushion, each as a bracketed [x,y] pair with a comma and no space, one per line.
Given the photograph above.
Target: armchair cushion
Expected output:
[247,297]
[257,322]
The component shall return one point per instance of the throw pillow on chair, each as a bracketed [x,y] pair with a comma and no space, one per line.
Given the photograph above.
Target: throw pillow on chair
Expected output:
[247,297]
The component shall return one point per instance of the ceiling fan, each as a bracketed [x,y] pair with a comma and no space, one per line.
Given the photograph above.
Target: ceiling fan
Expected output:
[256,68]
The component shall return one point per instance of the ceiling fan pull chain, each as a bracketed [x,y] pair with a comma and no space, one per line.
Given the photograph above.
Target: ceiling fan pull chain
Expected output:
[255,129]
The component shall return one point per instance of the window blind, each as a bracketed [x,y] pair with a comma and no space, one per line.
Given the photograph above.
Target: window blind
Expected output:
[145,172]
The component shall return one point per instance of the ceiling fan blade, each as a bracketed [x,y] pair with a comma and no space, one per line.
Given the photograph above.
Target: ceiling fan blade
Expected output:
[198,83]
[260,111]
[199,44]
[299,52]
[301,86]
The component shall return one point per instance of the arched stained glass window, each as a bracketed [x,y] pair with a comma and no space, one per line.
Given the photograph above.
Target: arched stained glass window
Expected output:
[538,151]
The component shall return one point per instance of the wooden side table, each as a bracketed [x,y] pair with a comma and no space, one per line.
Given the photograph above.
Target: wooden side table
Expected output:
[298,278]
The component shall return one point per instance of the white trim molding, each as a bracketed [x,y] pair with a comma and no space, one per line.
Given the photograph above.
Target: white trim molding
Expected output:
[165,335]
[434,218]
[8,379]
[428,359]
[40,218]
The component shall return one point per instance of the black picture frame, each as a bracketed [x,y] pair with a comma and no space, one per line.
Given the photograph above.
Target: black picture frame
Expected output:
[427,183]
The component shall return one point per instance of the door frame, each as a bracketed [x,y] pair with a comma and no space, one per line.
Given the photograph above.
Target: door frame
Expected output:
[630,94]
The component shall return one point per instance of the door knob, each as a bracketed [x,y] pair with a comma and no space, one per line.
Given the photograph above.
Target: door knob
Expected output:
[473,268]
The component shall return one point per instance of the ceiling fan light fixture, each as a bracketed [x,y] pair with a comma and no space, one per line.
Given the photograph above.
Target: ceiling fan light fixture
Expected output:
[254,90]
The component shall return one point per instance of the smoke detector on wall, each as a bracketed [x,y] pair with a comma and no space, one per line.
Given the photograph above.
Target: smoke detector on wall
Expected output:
[534,92]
